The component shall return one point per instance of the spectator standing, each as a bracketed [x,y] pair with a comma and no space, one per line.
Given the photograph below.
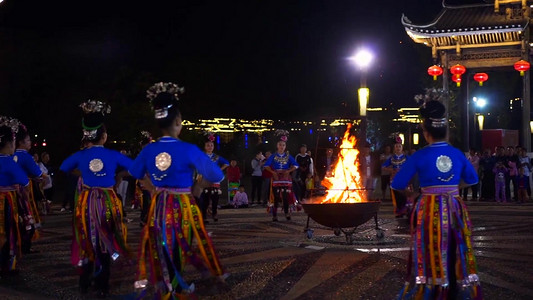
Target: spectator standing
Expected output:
[257,176]
[327,164]
[486,165]
[305,162]
[267,180]
[234,179]
[48,186]
[473,158]
[513,163]
[525,163]
[522,182]
[500,172]
[369,171]
[385,172]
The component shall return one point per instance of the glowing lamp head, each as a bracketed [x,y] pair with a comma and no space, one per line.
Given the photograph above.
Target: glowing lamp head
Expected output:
[481,77]
[363,58]
[480,102]
[435,71]
[521,66]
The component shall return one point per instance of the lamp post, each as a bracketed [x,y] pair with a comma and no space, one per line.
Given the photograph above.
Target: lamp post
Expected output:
[480,118]
[362,59]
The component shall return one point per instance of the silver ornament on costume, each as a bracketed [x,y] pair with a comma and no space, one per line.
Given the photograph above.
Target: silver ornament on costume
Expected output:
[96,165]
[444,163]
[163,161]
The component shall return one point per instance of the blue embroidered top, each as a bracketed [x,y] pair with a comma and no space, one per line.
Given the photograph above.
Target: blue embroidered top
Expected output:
[97,165]
[278,161]
[25,160]
[11,173]
[437,164]
[171,162]
[396,161]
[219,160]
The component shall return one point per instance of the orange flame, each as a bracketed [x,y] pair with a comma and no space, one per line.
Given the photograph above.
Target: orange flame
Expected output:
[345,184]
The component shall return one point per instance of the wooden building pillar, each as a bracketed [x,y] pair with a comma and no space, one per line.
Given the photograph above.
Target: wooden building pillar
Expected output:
[526,112]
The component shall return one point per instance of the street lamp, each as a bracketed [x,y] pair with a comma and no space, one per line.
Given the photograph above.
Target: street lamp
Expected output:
[362,59]
[480,120]
[480,103]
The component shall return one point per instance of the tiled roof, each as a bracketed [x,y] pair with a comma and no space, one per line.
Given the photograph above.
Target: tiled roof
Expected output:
[467,19]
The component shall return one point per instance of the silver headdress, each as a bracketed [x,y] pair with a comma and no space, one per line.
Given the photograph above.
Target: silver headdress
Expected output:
[161,109]
[282,134]
[93,106]
[210,136]
[12,123]
[438,122]
[94,112]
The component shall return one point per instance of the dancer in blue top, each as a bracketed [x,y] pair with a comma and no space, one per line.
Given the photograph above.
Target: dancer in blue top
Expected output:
[174,217]
[11,177]
[281,164]
[212,193]
[99,231]
[393,165]
[28,208]
[443,256]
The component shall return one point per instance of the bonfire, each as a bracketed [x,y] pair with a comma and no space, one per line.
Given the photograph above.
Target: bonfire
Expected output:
[345,183]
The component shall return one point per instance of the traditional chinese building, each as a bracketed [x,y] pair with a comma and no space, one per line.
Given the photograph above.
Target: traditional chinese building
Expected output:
[480,37]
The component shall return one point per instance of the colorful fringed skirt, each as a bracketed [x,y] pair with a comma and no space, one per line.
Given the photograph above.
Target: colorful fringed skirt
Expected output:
[98,226]
[29,211]
[443,259]
[174,220]
[10,235]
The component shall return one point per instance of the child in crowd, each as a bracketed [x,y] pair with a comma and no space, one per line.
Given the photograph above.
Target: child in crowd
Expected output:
[309,185]
[522,185]
[499,181]
[240,200]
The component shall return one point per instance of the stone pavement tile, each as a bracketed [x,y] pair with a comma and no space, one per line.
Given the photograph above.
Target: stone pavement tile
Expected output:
[327,266]
[272,254]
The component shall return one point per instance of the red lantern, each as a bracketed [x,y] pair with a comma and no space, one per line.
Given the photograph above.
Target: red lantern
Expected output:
[457,79]
[481,77]
[435,71]
[457,71]
[521,66]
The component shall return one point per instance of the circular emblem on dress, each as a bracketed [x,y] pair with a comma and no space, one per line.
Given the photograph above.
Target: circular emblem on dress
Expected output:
[15,158]
[444,163]
[163,161]
[96,165]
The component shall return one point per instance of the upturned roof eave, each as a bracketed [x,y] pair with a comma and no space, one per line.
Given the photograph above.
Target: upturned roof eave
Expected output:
[455,32]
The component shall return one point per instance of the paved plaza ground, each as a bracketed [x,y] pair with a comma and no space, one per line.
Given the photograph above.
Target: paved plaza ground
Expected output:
[277,261]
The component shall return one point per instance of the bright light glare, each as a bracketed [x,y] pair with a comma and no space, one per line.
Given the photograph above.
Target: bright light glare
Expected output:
[363,58]
[481,102]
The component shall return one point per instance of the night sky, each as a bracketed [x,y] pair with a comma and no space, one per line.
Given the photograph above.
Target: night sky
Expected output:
[254,59]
